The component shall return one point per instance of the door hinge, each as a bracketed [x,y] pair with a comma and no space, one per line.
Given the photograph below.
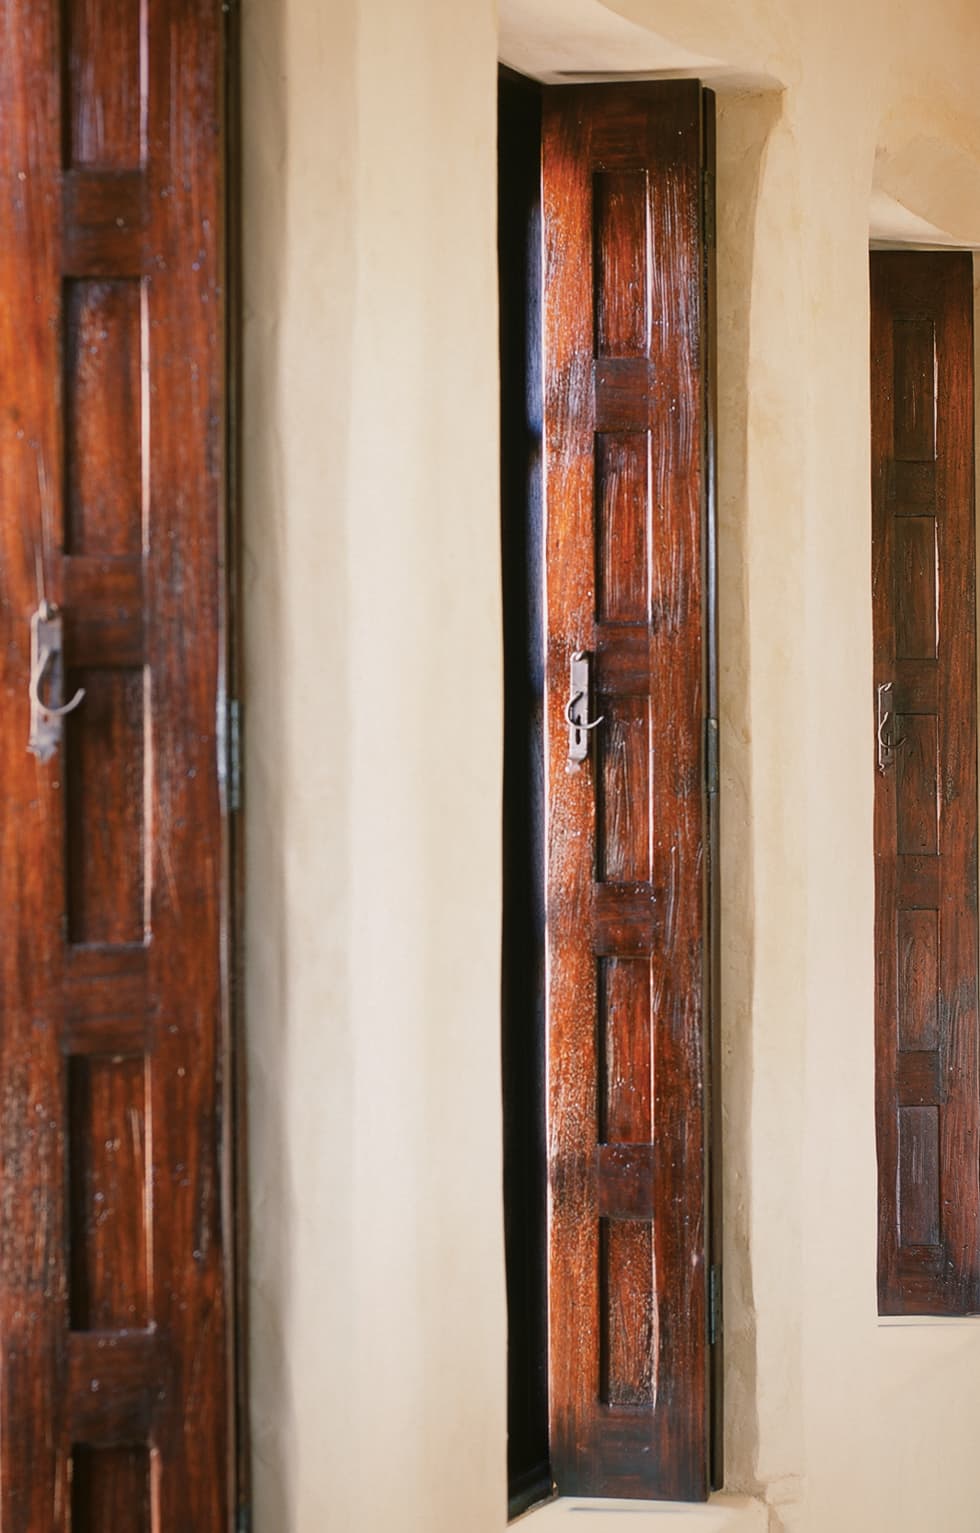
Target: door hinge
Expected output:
[230,755]
[708,207]
[243,1523]
[711,754]
[714,1304]
[234,755]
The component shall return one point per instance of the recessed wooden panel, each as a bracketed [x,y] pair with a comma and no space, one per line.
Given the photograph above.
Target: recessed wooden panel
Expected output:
[622,489]
[916,577]
[622,655]
[105,810]
[104,619]
[626,920]
[620,210]
[625,391]
[916,801]
[917,687]
[626,1177]
[628,1348]
[615,142]
[915,388]
[918,1176]
[120,1386]
[625,805]
[107,1132]
[110,1490]
[102,44]
[104,223]
[911,489]
[918,979]
[624,1007]
[918,1078]
[102,417]
[917,883]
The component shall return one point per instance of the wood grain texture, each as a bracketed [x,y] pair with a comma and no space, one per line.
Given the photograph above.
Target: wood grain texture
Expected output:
[628,1352]
[622,479]
[620,202]
[914,381]
[107,1207]
[114,1283]
[626,1175]
[916,596]
[627,1083]
[626,479]
[120,1385]
[918,1077]
[916,785]
[103,418]
[110,1489]
[918,979]
[625,798]
[926,939]
[104,221]
[105,767]
[104,96]
[911,488]
[918,1176]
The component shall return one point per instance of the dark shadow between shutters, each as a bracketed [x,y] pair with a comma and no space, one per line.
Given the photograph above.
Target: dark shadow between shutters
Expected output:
[522,989]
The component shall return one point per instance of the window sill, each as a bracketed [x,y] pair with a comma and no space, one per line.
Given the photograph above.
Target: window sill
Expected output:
[721,1514]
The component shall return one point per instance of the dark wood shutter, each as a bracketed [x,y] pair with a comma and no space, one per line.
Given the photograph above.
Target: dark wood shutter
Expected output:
[925,703]
[626,507]
[115,1413]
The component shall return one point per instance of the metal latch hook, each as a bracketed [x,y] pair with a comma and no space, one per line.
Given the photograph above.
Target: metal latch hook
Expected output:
[577,711]
[37,674]
[579,723]
[887,744]
[46,659]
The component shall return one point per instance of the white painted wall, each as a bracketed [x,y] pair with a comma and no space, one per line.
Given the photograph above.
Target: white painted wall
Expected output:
[373,736]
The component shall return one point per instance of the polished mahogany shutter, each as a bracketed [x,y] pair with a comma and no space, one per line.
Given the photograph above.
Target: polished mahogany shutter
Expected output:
[626,506]
[925,747]
[114,1241]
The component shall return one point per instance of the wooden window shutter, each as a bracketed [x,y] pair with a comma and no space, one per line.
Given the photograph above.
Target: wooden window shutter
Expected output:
[116,1291]
[925,823]
[628,577]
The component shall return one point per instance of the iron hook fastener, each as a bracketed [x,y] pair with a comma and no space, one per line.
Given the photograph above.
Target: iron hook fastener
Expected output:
[46,659]
[577,710]
[886,746]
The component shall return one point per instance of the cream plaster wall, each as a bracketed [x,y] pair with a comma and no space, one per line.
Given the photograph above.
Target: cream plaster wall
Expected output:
[373,751]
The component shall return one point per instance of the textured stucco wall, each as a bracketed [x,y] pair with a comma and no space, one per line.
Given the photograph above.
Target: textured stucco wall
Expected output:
[373,738]
[372,697]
